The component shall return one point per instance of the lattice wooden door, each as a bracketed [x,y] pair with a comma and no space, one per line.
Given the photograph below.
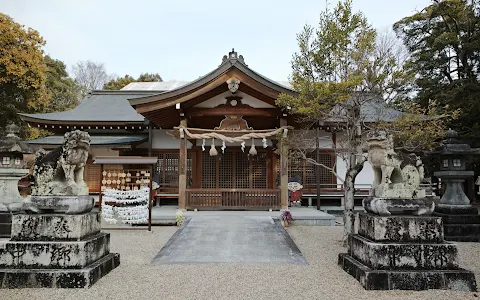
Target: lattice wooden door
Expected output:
[306,173]
[234,169]
[167,169]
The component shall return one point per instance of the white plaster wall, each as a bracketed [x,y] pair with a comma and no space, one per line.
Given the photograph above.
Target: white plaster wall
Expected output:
[363,180]
[246,99]
[162,140]
[325,141]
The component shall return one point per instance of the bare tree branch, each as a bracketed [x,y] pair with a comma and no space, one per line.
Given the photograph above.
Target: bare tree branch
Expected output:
[90,75]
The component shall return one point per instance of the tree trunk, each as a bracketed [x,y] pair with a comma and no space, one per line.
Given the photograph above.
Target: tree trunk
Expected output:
[354,167]
[349,196]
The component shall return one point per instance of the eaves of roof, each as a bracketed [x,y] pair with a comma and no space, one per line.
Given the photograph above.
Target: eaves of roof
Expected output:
[226,66]
[99,107]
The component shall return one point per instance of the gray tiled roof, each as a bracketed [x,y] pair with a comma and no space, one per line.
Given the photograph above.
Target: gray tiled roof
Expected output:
[372,110]
[95,140]
[154,86]
[379,111]
[101,106]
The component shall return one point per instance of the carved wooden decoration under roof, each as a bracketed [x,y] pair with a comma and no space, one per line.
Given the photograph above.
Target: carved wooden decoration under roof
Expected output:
[233,123]
[233,84]
[233,102]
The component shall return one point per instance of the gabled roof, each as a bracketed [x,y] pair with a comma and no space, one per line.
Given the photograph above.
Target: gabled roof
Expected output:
[100,107]
[231,66]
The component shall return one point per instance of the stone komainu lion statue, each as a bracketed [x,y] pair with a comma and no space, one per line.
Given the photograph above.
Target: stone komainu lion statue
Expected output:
[60,171]
[394,176]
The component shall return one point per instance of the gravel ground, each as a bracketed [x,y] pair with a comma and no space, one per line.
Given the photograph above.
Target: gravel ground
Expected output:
[320,279]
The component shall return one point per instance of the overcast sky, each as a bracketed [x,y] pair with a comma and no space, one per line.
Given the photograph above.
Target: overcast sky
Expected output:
[183,39]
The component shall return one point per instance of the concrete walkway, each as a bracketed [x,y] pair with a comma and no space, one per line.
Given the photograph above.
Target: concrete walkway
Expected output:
[165,215]
[230,239]
[302,215]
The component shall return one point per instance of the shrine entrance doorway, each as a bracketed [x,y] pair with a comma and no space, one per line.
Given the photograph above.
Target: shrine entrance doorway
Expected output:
[235,180]
[235,169]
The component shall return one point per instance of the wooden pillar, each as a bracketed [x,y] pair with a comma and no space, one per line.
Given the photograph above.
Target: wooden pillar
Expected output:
[150,137]
[283,170]
[100,196]
[150,200]
[317,167]
[182,169]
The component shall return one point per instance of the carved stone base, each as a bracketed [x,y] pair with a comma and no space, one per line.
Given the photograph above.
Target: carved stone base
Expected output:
[460,222]
[55,250]
[5,225]
[54,254]
[71,205]
[398,206]
[49,227]
[456,209]
[65,278]
[386,228]
[404,252]
[403,256]
[370,279]
[462,232]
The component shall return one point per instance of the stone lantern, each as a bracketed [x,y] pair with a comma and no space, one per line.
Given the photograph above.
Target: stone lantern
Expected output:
[460,218]
[12,169]
[453,156]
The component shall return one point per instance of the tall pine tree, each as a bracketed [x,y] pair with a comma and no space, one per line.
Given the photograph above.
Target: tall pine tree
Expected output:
[444,42]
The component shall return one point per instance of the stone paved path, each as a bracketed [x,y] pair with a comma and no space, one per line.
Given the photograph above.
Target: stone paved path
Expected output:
[232,239]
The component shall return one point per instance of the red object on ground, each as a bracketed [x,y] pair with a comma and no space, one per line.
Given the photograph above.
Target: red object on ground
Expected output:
[295,196]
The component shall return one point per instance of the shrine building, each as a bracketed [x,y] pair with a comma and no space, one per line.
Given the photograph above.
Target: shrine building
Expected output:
[216,138]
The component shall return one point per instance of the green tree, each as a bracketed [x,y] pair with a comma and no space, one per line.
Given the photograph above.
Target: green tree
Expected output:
[149,77]
[444,42]
[22,71]
[340,68]
[120,82]
[63,91]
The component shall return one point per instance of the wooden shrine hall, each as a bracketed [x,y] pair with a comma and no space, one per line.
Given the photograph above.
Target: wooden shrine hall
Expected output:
[217,139]
[232,109]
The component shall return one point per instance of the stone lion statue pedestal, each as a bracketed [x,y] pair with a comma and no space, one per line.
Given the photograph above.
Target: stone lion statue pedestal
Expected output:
[57,241]
[399,245]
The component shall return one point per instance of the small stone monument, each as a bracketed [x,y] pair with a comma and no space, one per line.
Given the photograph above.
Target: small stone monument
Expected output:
[57,243]
[12,169]
[399,245]
[461,221]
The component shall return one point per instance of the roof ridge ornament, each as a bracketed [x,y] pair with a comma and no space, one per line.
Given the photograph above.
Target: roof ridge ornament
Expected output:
[233,57]
[233,54]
